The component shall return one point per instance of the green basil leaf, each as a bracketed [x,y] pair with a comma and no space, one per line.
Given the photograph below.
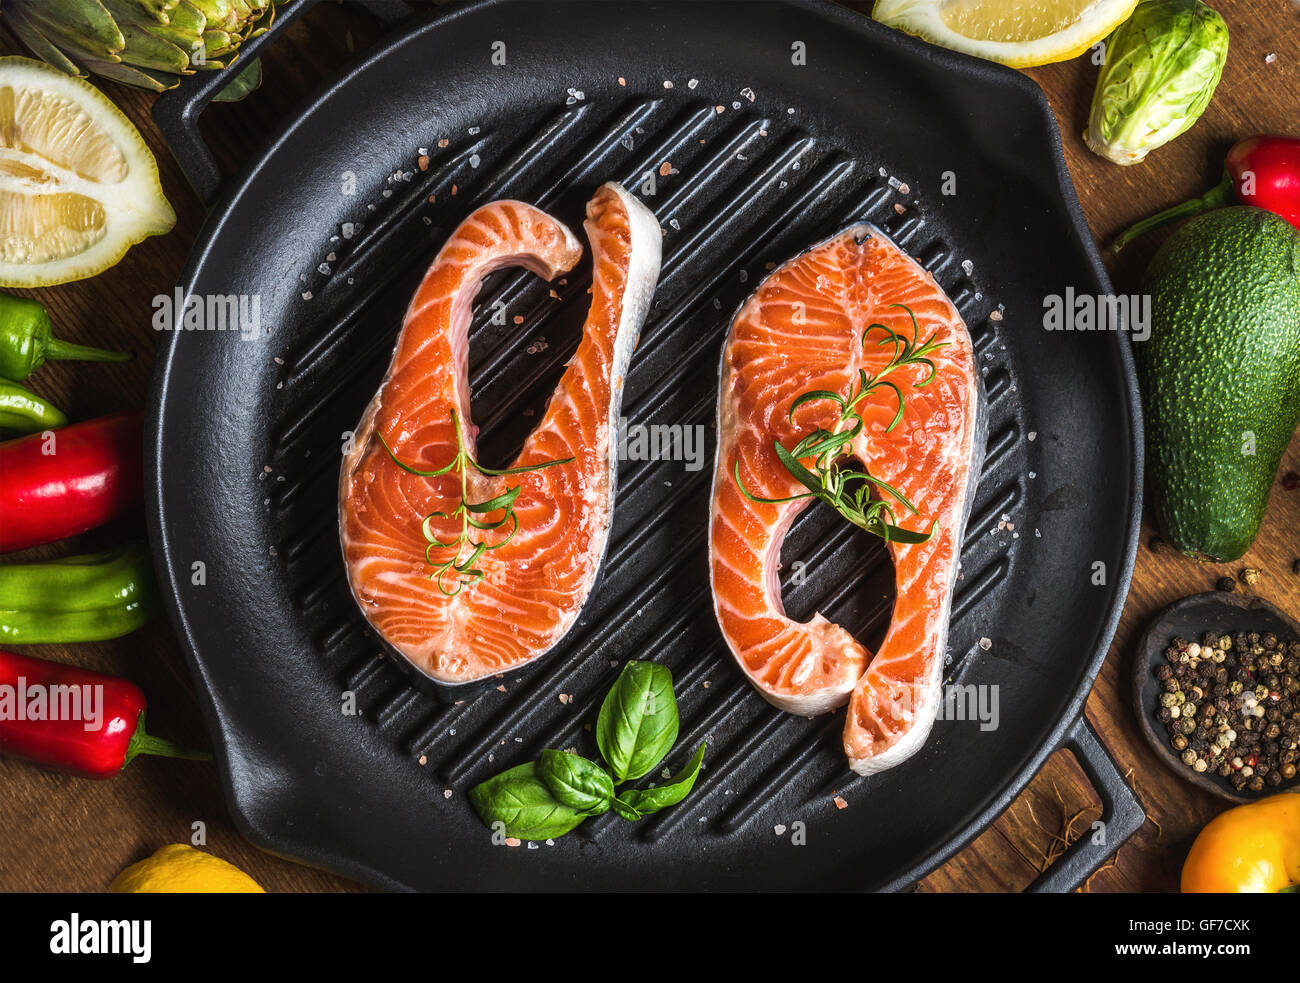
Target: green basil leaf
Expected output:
[576,782]
[520,801]
[646,801]
[624,810]
[638,723]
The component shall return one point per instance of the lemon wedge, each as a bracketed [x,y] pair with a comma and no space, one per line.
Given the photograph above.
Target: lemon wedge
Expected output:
[1019,33]
[178,868]
[78,185]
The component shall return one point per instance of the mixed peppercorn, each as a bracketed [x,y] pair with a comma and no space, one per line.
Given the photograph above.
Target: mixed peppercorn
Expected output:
[1231,705]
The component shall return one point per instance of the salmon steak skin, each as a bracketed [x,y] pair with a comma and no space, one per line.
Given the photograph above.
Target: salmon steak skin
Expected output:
[802,331]
[531,583]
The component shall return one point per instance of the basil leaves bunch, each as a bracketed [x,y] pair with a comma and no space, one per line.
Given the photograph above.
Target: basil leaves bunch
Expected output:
[636,729]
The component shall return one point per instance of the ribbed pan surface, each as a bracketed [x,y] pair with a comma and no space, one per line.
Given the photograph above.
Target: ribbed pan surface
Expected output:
[752,157]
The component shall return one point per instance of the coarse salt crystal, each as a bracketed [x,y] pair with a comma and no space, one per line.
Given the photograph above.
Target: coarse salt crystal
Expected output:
[778,829]
[986,643]
[840,802]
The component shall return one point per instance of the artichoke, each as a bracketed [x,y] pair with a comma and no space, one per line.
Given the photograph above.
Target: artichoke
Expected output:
[1162,66]
[149,44]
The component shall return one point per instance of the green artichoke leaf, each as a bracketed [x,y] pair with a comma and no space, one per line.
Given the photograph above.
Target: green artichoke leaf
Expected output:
[153,81]
[78,27]
[221,14]
[245,82]
[1161,68]
[147,52]
[43,48]
[218,44]
[159,11]
[140,12]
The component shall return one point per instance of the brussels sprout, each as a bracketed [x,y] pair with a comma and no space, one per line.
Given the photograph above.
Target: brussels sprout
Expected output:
[1161,68]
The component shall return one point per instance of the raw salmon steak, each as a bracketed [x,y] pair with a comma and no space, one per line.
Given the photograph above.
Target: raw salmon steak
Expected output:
[802,331]
[533,583]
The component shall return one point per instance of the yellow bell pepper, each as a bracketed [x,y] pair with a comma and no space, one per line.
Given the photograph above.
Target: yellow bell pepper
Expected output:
[1252,849]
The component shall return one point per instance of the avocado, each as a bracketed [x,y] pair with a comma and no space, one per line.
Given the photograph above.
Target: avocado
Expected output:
[1220,375]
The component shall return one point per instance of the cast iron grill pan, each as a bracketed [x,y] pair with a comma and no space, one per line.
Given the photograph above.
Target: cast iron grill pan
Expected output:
[247,439]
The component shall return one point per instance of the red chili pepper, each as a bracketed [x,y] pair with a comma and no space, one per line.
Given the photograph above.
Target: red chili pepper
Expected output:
[1262,171]
[74,719]
[63,482]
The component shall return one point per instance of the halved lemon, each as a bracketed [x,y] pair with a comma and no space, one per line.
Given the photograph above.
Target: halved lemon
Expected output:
[78,185]
[1019,33]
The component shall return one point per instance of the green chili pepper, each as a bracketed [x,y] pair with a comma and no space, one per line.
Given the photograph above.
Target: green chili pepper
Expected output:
[78,598]
[26,340]
[25,412]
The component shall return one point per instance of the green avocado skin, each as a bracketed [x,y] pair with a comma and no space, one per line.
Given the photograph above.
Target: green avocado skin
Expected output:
[1222,363]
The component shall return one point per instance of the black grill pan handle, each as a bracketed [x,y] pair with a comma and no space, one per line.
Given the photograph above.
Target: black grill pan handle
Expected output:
[1122,815]
[177,111]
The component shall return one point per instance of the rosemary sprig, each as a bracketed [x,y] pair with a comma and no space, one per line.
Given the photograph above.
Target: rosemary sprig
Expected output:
[474,516]
[845,490]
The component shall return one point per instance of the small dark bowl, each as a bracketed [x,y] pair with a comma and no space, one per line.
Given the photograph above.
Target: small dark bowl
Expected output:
[1191,618]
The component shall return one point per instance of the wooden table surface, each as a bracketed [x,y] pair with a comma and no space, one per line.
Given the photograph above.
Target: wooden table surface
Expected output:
[64,833]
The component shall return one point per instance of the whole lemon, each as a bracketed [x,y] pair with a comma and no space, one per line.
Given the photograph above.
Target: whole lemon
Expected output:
[178,868]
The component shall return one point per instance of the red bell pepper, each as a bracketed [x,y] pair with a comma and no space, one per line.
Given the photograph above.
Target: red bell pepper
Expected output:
[63,482]
[74,719]
[1262,171]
